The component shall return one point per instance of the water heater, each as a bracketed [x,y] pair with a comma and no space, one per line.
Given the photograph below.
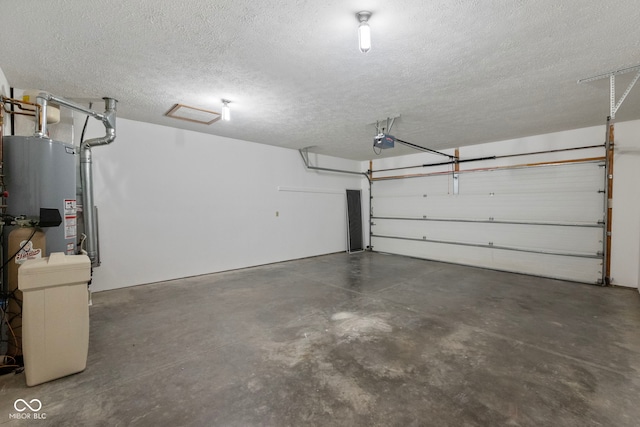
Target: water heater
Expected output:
[41,173]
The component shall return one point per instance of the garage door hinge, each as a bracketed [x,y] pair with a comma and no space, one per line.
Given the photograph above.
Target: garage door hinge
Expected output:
[601,191]
[600,253]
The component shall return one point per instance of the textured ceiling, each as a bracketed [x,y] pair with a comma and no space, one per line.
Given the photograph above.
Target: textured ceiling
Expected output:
[456,72]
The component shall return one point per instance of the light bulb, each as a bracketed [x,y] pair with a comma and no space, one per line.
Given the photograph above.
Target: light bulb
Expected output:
[364,31]
[226,111]
[364,37]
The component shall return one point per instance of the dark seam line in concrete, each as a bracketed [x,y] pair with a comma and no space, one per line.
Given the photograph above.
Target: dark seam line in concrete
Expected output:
[386,289]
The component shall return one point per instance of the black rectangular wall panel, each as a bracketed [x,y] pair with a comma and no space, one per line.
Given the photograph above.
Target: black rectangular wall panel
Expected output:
[354,221]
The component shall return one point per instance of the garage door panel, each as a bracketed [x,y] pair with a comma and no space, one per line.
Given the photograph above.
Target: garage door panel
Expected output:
[581,177]
[574,178]
[563,239]
[552,207]
[550,210]
[436,184]
[587,270]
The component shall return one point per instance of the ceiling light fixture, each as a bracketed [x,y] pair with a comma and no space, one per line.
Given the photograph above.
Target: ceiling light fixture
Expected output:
[226,111]
[364,31]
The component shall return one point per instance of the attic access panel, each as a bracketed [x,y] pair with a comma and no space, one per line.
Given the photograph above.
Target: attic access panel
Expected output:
[193,114]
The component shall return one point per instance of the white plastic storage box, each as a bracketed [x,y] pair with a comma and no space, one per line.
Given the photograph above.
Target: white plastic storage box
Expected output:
[55,316]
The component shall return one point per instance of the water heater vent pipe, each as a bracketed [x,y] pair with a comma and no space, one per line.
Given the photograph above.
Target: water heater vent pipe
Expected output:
[108,119]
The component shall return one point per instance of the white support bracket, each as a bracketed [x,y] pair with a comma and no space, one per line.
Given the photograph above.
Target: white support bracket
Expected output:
[380,124]
[613,104]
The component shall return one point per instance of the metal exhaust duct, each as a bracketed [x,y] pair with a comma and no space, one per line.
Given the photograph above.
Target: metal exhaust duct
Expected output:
[86,177]
[108,119]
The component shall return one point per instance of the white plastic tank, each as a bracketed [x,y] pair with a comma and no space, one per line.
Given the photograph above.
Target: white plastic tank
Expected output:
[24,243]
[55,316]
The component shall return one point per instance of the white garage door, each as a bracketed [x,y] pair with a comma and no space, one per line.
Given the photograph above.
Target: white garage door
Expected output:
[545,221]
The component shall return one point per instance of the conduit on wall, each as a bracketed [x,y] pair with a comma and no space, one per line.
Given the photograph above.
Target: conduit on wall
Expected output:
[304,153]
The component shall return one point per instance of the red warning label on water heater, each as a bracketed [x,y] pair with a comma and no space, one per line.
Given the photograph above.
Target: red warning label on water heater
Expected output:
[70,219]
[70,207]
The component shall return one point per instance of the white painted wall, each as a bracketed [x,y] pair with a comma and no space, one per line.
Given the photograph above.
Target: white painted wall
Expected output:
[625,235]
[176,203]
[4,90]
[4,84]
[626,213]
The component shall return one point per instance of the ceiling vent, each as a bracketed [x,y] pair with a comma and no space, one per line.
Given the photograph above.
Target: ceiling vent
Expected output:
[193,114]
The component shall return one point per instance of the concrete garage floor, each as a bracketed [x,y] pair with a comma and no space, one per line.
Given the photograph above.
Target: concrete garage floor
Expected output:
[352,340]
